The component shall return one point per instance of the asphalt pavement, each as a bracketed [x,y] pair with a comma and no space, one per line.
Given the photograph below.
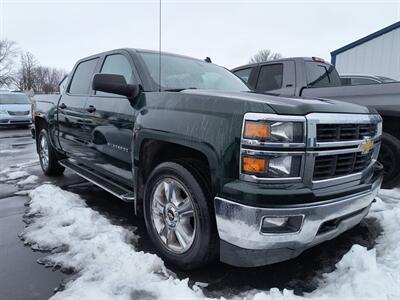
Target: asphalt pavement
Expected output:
[23,277]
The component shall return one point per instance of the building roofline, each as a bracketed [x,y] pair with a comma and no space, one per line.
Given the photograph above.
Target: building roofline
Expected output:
[364,39]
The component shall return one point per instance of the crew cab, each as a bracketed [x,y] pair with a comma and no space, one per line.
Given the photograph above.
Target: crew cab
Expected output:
[217,172]
[314,77]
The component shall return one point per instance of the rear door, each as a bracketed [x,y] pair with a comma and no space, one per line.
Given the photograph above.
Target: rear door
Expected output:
[112,117]
[72,119]
[277,78]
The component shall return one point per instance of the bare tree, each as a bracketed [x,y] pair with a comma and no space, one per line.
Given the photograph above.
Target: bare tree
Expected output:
[47,79]
[26,79]
[264,55]
[8,52]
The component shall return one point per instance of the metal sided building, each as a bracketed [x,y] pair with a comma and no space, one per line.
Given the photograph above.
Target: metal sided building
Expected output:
[375,54]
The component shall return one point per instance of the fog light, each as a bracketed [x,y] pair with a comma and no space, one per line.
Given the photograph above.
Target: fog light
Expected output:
[286,224]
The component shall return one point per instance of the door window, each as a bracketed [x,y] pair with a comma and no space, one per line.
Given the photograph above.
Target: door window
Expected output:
[244,74]
[82,78]
[117,64]
[270,77]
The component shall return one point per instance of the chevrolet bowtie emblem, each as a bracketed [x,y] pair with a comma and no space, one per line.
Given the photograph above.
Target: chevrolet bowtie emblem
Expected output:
[366,145]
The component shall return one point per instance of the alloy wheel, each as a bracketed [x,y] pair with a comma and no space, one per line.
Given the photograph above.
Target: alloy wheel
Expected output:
[173,215]
[44,151]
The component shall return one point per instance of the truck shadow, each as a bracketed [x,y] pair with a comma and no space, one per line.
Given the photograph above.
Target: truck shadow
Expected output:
[301,274]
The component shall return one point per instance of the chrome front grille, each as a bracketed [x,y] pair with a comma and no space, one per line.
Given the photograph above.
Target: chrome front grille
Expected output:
[337,149]
[18,113]
[344,132]
[330,166]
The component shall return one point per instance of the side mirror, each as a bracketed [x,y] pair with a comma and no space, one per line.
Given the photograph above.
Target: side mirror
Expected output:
[115,84]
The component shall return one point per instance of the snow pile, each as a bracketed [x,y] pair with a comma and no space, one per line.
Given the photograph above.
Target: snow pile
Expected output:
[362,273]
[102,253]
[110,268]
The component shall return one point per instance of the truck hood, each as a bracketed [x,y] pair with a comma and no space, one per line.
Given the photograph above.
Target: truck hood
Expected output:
[287,105]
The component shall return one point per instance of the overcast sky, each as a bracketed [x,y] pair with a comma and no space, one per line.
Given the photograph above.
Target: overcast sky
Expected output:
[60,32]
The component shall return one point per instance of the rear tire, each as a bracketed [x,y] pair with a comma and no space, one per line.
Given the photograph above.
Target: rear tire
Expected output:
[196,245]
[389,157]
[48,155]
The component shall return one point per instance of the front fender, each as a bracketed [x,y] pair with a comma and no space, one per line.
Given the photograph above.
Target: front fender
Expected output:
[209,124]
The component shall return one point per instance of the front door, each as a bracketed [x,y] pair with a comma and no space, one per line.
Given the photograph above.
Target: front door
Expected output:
[110,129]
[71,110]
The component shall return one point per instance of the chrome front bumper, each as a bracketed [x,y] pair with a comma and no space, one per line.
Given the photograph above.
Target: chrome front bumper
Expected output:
[240,225]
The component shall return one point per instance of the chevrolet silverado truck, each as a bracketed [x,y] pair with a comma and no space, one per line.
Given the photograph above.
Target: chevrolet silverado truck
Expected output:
[313,77]
[217,172]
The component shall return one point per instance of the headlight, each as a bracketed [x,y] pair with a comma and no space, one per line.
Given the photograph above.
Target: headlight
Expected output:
[274,131]
[3,112]
[272,166]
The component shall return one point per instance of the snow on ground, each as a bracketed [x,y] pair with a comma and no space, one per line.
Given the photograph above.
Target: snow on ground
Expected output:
[29,180]
[16,171]
[109,267]
[102,253]
[10,151]
[15,175]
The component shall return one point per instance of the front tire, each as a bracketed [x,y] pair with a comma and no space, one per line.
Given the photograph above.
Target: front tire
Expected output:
[179,216]
[389,156]
[48,155]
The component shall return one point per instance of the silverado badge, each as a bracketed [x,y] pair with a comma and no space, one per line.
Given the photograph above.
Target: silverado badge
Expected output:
[366,145]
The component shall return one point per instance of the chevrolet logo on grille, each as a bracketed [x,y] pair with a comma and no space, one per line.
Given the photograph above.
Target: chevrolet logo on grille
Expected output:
[366,145]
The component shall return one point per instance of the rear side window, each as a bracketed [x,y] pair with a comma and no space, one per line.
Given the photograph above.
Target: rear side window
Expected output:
[82,78]
[63,84]
[270,77]
[321,75]
[244,74]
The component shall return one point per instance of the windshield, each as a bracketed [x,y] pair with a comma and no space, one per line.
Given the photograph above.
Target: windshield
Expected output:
[14,99]
[179,72]
[321,75]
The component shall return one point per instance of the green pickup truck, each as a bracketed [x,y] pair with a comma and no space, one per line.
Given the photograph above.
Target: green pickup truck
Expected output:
[217,171]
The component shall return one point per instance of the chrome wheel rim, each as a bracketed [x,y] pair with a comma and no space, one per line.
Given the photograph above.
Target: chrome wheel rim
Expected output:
[44,152]
[173,215]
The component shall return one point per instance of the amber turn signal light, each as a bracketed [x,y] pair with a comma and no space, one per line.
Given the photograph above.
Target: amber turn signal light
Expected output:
[256,130]
[254,165]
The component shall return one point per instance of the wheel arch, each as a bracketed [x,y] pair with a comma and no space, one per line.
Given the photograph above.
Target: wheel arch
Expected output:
[151,151]
[391,123]
[40,123]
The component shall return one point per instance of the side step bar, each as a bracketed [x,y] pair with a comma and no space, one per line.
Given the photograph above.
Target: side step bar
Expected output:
[106,184]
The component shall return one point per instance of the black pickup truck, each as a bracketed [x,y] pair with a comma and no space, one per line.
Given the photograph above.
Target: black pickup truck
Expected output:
[218,172]
[313,77]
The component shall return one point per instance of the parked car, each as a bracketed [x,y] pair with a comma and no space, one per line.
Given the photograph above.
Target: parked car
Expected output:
[15,109]
[315,78]
[217,172]
[364,79]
